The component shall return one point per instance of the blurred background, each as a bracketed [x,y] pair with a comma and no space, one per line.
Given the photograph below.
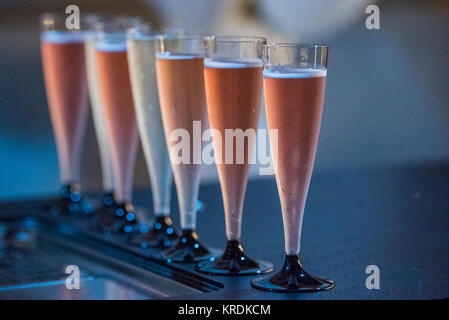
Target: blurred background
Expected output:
[387,98]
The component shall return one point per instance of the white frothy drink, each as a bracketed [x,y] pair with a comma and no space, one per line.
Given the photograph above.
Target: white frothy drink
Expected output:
[141,59]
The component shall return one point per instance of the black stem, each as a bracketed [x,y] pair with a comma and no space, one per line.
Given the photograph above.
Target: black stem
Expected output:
[292,278]
[187,249]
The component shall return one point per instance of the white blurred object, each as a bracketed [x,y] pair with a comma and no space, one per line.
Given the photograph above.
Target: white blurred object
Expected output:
[282,20]
[306,20]
[233,19]
[190,15]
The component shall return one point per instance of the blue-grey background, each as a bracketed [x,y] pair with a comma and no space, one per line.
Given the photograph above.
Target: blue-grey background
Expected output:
[387,101]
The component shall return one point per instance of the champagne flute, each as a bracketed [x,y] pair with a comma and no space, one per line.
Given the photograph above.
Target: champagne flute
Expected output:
[233,80]
[141,44]
[119,117]
[294,87]
[98,116]
[180,80]
[63,64]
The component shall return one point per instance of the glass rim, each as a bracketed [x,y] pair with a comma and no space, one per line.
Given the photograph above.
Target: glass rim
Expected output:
[187,36]
[85,17]
[239,39]
[119,24]
[137,36]
[51,13]
[59,19]
[141,32]
[296,45]
[54,23]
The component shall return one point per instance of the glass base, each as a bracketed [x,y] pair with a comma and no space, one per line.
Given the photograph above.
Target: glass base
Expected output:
[70,201]
[234,262]
[188,249]
[120,218]
[292,278]
[160,235]
[107,206]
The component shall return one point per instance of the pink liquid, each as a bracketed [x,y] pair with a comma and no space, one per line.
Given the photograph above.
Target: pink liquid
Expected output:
[115,89]
[294,105]
[233,102]
[182,99]
[66,86]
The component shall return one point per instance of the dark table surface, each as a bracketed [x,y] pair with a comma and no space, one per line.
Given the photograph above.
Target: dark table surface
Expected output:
[396,219]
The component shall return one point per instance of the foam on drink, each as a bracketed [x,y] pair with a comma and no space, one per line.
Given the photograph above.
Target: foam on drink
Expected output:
[62,36]
[232,64]
[294,73]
